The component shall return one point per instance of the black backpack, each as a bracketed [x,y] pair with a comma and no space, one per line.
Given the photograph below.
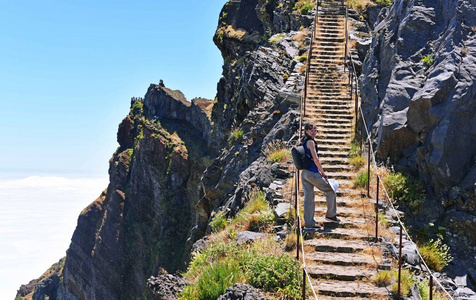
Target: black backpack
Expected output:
[301,160]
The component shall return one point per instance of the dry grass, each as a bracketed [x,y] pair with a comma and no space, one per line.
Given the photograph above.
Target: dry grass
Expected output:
[301,37]
[359,5]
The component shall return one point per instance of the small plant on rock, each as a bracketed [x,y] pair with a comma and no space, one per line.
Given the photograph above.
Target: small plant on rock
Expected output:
[383,278]
[428,59]
[406,282]
[357,161]
[362,178]
[272,274]
[436,254]
[218,222]
[424,289]
[383,2]
[277,151]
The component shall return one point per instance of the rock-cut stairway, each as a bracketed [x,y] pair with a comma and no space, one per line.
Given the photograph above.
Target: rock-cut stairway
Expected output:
[337,256]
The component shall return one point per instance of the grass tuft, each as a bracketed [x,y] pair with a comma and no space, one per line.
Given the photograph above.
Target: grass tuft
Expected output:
[436,254]
[383,278]
[277,151]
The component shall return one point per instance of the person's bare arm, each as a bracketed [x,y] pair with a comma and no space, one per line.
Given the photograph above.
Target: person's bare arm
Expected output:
[312,147]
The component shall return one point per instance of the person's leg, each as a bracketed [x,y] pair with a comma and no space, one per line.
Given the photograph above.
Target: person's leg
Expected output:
[322,184]
[309,204]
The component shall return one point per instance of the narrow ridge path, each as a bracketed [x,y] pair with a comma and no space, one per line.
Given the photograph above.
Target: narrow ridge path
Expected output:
[338,257]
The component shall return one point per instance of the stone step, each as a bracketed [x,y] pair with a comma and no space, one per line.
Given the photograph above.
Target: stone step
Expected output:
[322,142]
[342,211]
[327,83]
[320,200]
[322,47]
[334,121]
[327,94]
[333,245]
[333,153]
[340,175]
[344,222]
[349,289]
[330,39]
[343,233]
[329,157]
[326,106]
[326,115]
[331,110]
[341,259]
[327,147]
[344,273]
[336,168]
[324,99]
[322,61]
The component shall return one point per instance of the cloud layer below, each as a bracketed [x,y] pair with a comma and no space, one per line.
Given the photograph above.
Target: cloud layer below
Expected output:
[37,218]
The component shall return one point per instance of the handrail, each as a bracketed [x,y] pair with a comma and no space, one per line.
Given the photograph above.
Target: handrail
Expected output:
[297,217]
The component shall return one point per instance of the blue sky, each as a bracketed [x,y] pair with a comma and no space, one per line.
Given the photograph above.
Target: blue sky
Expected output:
[68,69]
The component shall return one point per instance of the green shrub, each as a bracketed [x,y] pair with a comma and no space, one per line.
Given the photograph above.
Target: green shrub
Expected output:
[403,188]
[302,58]
[277,151]
[383,278]
[203,258]
[276,38]
[428,59]
[357,161]
[137,107]
[362,178]
[218,222]
[304,6]
[407,282]
[214,281]
[273,274]
[306,9]
[424,289]
[256,201]
[436,254]
[235,134]
[383,2]
[355,150]
[262,220]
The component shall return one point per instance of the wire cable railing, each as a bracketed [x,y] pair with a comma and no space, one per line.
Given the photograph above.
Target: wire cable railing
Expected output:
[372,160]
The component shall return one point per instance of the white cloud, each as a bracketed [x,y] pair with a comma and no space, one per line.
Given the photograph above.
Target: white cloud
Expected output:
[37,220]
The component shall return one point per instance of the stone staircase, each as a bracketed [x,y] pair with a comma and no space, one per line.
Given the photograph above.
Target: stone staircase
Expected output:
[338,256]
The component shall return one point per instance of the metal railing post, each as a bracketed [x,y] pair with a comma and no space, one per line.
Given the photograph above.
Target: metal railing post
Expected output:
[361,133]
[303,283]
[399,262]
[298,239]
[368,169]
[376,210]
[431,287]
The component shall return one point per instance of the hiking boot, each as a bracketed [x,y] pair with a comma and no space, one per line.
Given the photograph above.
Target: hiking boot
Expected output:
[312,228]
[332,219]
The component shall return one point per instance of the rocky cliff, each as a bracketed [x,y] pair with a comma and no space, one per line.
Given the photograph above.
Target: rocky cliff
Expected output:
[178,161]
[419,99]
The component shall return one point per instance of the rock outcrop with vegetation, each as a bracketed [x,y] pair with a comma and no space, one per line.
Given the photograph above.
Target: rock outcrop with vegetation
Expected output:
[419,99]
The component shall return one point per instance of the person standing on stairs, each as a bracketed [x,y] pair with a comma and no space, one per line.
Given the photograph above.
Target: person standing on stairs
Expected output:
[315,176]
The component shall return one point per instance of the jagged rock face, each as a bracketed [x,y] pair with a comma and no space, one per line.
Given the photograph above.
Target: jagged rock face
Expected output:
[141,222]
[419,99]
[418,110]
[256,97]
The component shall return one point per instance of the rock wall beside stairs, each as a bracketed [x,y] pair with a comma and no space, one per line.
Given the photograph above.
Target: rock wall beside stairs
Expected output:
[419,99]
